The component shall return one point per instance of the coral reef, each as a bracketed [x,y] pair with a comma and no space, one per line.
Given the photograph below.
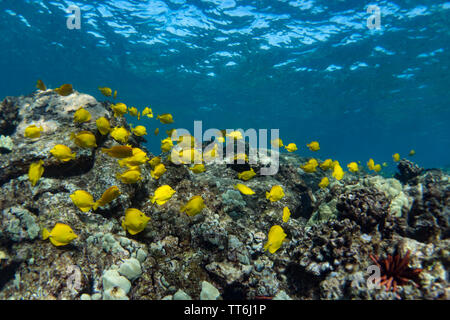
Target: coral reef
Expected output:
[218,253]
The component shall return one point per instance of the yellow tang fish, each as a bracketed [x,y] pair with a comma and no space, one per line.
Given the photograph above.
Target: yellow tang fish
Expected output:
[147,112]
[139,131]
[35,172]
[210,153]
[235,135]
[33,132]
[135,221]
[275,239]
[166,145]
[64,90]
[241,158]
[84,139]
[107,92]
[338,173]
[396,157]
[286,214]
[133,112]
[246,175]
[62,153]
[291,147]
[158,171]
[370,164]
[154,162]
[139,157]
[81,115]
[188,156]
[130,176]
[353,167]
[119,152]
[156,131]
[244,189]
[186,141]
[277,143]
[313,146]
[109,195]
[412,152]
[120,134]
[324,182]
[61,234]
[310,166]
[40,85]
[119,109]
[194,206]
[103,125]
[115,94]
[327,164]
[165,118]
[275,194]
[173,134]
[83,200]
[162,194]
[198,168]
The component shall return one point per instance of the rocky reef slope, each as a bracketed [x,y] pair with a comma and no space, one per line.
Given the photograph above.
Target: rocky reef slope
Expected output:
[219,253]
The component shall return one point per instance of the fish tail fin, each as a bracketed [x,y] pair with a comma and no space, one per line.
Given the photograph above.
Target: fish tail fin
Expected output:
[45,234]
[95,205]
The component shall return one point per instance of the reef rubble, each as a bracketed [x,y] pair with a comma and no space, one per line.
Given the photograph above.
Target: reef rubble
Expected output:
[219,253]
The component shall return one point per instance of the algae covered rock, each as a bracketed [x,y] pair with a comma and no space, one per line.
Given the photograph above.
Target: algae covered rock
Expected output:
[367,207]
[115,286]
[18,224]
[131,269]
[209,292]
[6,144]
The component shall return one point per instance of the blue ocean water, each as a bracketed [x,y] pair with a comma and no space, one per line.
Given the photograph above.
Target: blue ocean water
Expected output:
[311,68]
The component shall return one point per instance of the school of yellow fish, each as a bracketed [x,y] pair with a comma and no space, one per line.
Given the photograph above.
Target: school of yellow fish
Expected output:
[187,152]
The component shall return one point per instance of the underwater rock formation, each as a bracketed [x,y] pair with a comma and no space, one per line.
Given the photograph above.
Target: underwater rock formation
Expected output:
[408,170]
[218,253]
[367,207]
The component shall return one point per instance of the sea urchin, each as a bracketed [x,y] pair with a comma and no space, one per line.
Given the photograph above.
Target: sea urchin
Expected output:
[394,271]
